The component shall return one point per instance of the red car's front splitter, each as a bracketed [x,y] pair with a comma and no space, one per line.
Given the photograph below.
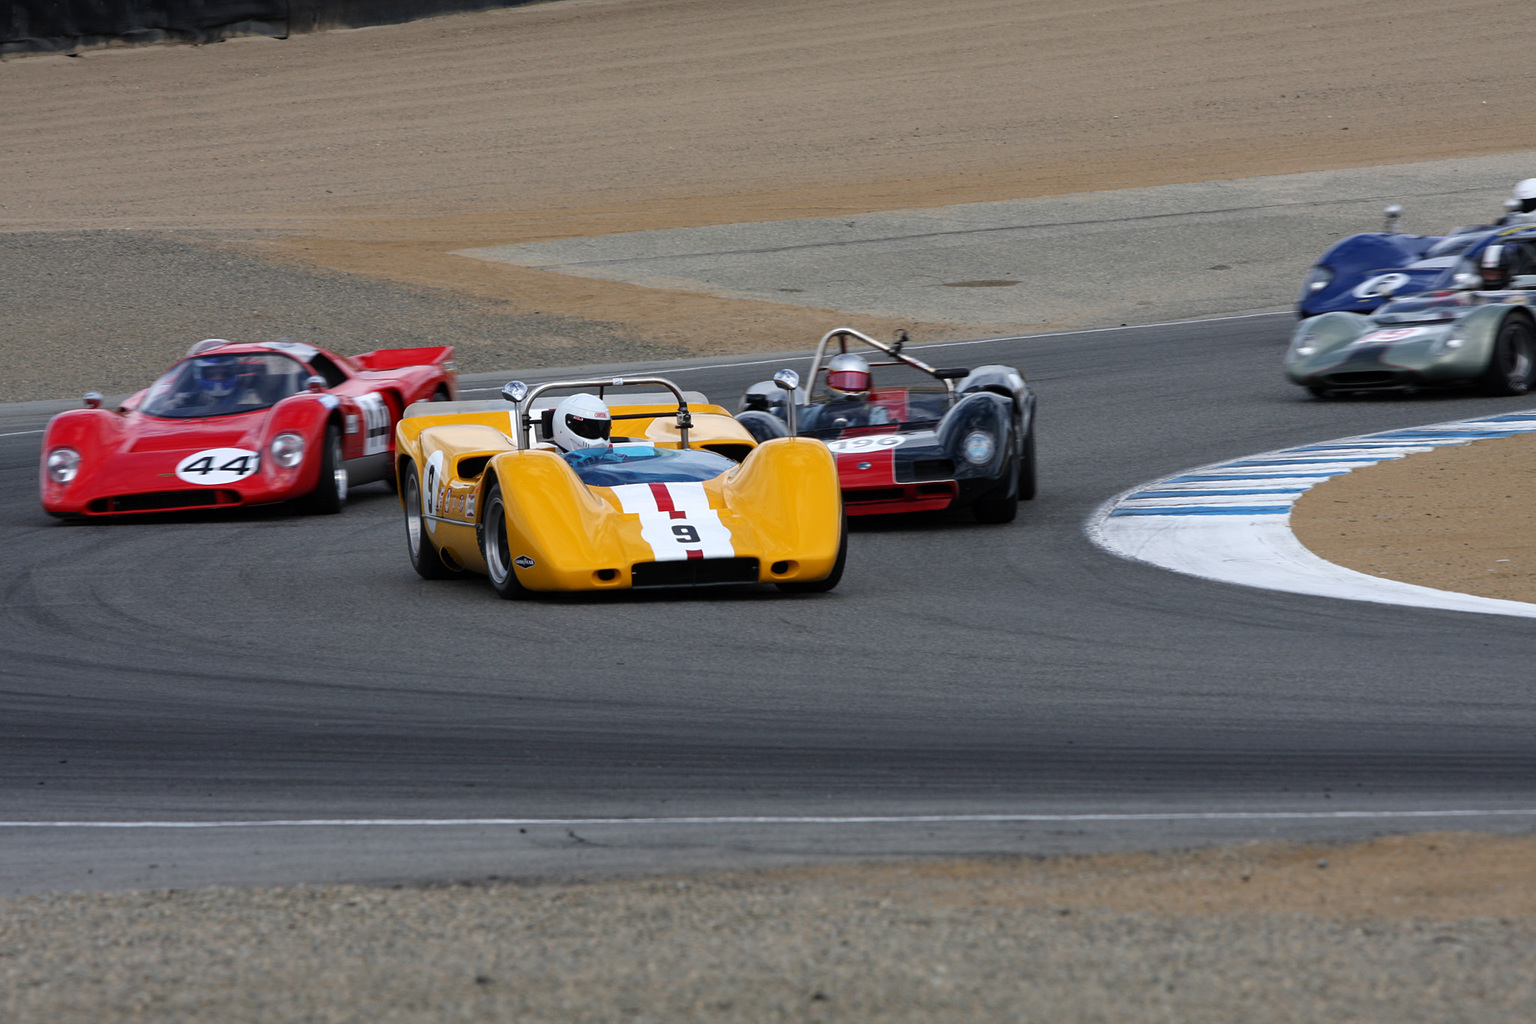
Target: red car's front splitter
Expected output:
[163,501]
[879,501]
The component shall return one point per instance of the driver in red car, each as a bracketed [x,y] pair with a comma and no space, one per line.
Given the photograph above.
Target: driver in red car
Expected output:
[222,382]
[848,383]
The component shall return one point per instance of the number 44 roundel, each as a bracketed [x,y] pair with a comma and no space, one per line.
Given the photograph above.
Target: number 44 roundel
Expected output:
[218,466]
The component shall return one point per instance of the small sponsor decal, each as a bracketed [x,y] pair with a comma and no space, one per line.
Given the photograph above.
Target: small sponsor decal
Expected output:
[523,562]
[866,443]
[866,465]
[214,466]
[1391,334]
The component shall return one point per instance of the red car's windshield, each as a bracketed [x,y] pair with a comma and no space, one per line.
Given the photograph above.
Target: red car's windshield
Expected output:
[224,384]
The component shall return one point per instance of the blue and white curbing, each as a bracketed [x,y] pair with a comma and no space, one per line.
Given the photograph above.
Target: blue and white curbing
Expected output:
[1231,521]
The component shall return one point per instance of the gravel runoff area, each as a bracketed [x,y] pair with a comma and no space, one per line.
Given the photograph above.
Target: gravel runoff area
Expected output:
[1253,934]
[108,310]
[586,117]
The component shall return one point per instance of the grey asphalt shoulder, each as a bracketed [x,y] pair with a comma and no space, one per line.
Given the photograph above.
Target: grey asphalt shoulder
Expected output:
[1131,256]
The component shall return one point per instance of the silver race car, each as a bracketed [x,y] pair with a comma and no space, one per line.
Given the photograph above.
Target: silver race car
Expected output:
[1482,335]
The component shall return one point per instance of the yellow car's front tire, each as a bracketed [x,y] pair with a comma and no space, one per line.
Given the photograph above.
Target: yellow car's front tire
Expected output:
[494,546]
[424,557]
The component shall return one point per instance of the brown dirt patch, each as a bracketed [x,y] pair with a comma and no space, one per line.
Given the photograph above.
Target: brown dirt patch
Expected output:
[1461,519]
[1445,876]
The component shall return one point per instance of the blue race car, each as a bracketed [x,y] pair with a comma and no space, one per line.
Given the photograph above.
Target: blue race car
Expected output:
[1359,273]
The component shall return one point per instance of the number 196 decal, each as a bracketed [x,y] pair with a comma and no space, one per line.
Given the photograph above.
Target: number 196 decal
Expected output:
[866,443]
[218,466]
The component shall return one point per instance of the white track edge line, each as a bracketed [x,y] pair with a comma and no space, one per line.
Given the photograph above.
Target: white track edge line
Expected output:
[912,819]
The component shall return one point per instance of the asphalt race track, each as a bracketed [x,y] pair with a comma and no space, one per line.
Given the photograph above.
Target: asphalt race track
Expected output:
[267,698]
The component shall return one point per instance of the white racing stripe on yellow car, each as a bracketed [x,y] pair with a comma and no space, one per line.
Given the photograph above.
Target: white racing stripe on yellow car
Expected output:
[676,520]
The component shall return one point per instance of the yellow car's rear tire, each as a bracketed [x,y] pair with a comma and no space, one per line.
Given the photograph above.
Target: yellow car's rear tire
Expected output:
[494,546]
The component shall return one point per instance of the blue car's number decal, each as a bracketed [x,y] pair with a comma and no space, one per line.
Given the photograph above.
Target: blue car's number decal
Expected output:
[1380,285]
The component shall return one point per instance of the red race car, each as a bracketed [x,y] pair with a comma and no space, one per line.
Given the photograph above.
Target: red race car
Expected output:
[238,424]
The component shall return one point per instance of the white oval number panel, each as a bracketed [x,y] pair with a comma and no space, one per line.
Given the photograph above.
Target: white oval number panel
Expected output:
[868,443]
[1381,284]
[430,498]
[218,466]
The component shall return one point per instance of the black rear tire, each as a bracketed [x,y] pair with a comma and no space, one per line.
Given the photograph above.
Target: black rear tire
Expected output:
[1512,366]
[833,578]
[494,546]
[330,492]
[425,559]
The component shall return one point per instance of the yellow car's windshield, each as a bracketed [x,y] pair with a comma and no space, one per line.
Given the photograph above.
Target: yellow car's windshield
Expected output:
[615,465]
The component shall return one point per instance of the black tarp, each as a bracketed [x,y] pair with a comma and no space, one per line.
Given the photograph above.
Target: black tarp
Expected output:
[65,25]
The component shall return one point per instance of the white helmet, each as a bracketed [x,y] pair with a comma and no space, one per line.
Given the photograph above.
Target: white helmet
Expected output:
[848,376]
[1525,196]
[581,421]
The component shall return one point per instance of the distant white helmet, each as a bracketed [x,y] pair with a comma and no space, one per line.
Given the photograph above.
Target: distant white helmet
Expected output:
[848,375]
[1523,200]
[581,421]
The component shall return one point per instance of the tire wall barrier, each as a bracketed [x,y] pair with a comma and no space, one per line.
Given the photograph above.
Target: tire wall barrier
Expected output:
[69,25]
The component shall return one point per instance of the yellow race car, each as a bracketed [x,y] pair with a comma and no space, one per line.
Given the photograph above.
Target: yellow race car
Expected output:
[685,498]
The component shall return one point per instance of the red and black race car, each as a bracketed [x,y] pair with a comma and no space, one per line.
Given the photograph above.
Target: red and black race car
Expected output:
[241,424]
[908,437]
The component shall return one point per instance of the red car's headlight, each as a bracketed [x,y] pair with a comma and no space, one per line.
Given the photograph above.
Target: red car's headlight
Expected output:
[287,450]
[63,464]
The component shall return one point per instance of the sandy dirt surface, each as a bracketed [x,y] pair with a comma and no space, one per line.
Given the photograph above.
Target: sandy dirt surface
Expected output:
[376,153]
[1461,519]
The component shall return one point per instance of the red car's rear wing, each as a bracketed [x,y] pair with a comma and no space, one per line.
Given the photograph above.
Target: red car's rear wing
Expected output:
[396,358]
